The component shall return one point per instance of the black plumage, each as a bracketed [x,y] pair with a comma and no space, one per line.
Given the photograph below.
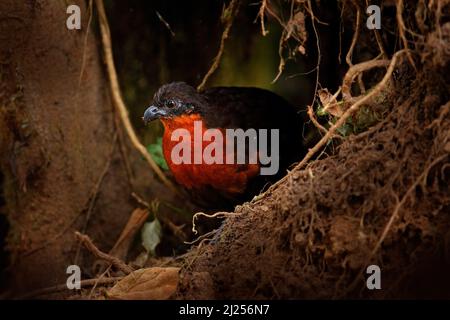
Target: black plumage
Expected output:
[234,108]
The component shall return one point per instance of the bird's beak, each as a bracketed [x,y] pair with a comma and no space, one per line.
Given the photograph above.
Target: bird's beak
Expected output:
[153,113]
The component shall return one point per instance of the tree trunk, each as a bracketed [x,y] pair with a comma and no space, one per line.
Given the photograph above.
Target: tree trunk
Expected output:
[59,145]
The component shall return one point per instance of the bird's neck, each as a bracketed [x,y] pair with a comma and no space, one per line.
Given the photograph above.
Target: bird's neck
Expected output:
[184,121]
[187,124]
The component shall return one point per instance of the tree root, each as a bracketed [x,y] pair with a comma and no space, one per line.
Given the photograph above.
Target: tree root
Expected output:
[117,98]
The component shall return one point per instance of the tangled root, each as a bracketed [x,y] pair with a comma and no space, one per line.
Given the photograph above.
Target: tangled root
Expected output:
[383,198]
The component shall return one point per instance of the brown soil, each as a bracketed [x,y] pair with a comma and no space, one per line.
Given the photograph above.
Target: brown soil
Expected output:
[314,235]
[60,147]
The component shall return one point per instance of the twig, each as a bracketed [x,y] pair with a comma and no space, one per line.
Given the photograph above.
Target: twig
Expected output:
[62,287]
[117,98]
[166,24]
[176,230]
[261,13]
[120,249]
[380,44]
[202,237]
[333,101]
[314,120]
[341,31]
[285,36]
[119,264]
[319,58]
[401,30]
[348,57]
[378,39]
[101,277]
[230,13]
[139,200]
[282,61]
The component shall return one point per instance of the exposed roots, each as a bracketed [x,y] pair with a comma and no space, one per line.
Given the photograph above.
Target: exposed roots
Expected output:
[355,71]
[401,30]
[119,264]
[381,198]
[117,98]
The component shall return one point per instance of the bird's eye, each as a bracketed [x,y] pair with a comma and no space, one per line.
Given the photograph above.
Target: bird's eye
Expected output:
[170,103]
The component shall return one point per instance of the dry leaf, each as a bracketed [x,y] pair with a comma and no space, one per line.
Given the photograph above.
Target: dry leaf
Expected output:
[329,102]
[147,284]
[135,222]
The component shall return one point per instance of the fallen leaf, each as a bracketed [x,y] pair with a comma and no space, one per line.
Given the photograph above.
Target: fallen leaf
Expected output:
[329,102]
[147,284]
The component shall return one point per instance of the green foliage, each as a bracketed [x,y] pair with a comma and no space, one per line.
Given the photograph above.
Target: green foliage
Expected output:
[156,152]
[320,111]
[358,123]
[151,234]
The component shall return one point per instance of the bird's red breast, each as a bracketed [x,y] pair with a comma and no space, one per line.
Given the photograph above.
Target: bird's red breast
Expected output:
[229,179]
[180,106]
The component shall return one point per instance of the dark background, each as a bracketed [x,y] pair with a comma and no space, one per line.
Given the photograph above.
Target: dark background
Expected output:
[147,54]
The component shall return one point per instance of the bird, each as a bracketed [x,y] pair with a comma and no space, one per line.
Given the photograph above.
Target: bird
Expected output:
[223,184]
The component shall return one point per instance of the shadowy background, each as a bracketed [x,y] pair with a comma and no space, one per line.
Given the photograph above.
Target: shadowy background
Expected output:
[148,53]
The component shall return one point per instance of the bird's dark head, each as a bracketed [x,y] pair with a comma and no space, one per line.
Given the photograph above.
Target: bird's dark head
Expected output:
[173,100]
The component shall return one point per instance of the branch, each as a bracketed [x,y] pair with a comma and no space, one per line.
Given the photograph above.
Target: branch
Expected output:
[119,264]
[62,287]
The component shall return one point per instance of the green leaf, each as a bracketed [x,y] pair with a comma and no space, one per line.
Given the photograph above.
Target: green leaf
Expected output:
[345,130]
[156,152]
[321,111]
[151,235]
